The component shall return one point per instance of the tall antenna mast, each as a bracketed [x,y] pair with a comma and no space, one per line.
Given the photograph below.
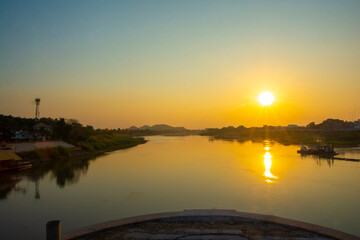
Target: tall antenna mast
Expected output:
[37,111]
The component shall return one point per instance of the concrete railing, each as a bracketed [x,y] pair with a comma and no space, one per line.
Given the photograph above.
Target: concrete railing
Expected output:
[53,227]
[53,230]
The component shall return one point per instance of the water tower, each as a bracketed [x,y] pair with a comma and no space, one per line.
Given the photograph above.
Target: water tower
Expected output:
[37,111]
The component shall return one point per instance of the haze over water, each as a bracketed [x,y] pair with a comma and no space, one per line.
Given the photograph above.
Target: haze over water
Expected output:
[177,173]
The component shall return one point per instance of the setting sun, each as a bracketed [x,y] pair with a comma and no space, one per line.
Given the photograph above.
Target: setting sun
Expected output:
[266,98]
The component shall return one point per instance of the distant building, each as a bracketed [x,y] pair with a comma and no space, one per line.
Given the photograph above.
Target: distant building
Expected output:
[292,126]
[41,131]
[22,136]
[42,126]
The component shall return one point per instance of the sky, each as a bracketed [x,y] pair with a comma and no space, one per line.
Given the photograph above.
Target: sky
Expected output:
[197,64]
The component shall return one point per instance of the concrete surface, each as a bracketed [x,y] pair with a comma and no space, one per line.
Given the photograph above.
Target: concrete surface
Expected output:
[207,224]
[30,146]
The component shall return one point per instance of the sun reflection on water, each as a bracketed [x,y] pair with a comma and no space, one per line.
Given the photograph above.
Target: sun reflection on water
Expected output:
[267,162]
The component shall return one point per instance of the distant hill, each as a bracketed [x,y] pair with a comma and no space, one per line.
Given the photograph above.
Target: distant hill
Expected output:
[145,127]
[159,127]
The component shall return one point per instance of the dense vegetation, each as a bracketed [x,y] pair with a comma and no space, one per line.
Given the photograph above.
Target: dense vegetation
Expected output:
[108,141]
[70,131]
[333,131]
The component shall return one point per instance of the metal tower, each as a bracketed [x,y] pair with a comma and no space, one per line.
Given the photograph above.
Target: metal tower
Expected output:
[37,111]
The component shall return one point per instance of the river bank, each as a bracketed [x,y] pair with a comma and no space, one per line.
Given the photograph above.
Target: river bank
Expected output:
[339,138]
[83,149]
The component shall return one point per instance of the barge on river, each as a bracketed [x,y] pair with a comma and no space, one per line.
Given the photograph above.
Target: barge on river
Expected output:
[321,150]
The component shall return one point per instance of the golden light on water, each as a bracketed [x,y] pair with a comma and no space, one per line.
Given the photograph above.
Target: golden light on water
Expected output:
[266,98]
[267,162]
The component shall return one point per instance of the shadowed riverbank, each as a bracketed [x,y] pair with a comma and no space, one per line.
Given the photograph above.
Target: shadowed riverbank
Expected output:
[287,136]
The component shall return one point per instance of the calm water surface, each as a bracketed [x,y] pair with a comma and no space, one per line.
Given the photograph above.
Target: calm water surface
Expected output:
[177,173]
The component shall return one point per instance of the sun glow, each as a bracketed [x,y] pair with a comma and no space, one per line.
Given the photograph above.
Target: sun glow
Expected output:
[266,98]
[267,162]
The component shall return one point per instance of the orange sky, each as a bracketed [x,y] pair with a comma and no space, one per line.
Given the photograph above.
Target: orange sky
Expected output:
[188,64]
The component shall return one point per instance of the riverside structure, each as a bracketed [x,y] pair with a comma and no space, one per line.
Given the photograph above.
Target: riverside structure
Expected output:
[202,224]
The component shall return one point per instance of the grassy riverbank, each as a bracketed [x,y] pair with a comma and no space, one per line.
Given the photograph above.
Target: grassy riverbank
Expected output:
[106,142]
[93,144]
[86,139]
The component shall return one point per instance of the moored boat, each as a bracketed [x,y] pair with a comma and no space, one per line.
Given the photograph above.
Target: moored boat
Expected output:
[321,150]
[10,161]
[11,165]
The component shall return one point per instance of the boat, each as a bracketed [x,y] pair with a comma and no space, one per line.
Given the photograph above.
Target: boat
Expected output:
[10,161]
[11,165]
[321,150]
[5,147]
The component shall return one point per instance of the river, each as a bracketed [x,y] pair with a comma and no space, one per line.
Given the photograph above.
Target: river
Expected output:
[177,173]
